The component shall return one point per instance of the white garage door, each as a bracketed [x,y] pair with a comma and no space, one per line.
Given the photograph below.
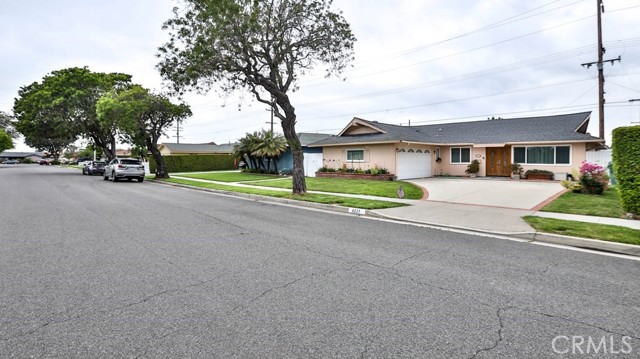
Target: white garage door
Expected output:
[413,163]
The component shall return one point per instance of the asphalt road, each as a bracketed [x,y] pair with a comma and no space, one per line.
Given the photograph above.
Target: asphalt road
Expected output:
[94,269]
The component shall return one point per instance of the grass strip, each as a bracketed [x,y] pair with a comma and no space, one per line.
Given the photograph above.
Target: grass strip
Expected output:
[605,205]
[387,189]
[603,232]
[309,197]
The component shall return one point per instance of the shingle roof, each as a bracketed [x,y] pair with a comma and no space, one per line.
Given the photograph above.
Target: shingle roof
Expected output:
[557,128]
[307,138]
[19,154]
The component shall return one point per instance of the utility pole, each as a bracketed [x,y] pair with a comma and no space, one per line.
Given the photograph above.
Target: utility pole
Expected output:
[601,51]
[177,136]
[634,100]
[271,109]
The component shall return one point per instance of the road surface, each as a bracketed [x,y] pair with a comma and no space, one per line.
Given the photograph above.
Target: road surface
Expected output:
[95,269]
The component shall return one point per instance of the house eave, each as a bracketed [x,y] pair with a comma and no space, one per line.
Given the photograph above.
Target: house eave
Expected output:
[353,144]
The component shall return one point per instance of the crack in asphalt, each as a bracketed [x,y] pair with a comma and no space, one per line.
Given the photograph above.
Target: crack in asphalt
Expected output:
[572,320]
[500,338]
[286,285]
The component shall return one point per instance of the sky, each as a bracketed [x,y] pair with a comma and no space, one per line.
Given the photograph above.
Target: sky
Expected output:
[416,62]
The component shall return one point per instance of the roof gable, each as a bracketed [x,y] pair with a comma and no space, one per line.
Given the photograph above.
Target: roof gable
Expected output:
[358,126]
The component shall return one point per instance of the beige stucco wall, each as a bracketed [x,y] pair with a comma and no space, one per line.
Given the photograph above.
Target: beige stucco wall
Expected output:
[381,156]
[446,168]
[164,151]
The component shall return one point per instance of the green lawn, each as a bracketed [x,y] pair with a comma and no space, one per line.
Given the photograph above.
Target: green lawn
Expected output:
[230,176]
[605,205]
[585,230]
[309,197]
[353,186]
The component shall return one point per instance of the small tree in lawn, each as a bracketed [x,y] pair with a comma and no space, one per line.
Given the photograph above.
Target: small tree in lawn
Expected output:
[262,46]
[142,118]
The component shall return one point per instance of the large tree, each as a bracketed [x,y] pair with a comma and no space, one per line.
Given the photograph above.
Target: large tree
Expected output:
[142,118]
[6,142]
[7,123]
[70,96]
[262,46]
[43,120]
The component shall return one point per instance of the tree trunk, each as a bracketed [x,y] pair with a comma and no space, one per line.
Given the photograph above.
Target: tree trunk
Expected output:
[161,169]
[268,164]
[275,164]
[288,127]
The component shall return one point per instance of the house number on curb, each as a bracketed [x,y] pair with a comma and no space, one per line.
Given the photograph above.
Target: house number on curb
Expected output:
[358,211]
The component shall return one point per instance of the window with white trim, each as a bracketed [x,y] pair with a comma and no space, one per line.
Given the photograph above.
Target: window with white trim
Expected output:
[355,155]
[460,154]
[542,155]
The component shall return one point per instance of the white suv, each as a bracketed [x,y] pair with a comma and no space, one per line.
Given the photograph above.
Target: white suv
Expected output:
[128,168]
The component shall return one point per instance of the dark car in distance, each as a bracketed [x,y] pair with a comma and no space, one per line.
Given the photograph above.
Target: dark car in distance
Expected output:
[44,163]
[94,167]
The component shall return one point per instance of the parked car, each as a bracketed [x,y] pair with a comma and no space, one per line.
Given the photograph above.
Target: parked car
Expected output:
[128,168]
[11,162]
[94,167]
[44,163]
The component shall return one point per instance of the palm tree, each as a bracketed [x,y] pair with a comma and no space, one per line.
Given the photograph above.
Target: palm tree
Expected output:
[271,147]
[246,147]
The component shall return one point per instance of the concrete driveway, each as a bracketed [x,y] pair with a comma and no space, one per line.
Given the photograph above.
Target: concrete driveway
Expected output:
[497,192]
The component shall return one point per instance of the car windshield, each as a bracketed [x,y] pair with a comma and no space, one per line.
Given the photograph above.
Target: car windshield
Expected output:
[99,164]
[130,162]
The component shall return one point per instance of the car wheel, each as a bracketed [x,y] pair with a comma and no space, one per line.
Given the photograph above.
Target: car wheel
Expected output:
[104,177]
[113,177]
[84,172]
[140,179]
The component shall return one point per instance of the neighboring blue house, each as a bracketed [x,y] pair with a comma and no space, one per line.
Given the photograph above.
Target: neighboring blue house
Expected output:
[312,155]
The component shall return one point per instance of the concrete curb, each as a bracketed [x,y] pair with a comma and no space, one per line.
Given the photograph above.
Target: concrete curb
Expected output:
[533,236]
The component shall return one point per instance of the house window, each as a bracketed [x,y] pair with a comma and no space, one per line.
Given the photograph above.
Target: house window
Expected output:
[460,155]
[355,155]
[542,155]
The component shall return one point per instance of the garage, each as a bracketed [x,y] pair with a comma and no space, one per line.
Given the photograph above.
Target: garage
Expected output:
[413,163]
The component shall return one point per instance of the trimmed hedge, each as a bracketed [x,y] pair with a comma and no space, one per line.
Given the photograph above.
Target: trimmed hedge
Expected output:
[626,166]
[190,163]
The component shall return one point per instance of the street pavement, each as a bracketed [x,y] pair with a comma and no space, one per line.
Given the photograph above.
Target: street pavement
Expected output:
[95,269]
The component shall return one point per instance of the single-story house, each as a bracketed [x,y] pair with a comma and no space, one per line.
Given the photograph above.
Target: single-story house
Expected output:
[168,149]
[555,143]
[20,156]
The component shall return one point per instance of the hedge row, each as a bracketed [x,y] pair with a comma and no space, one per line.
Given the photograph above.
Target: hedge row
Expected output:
[190,163]
[626,166]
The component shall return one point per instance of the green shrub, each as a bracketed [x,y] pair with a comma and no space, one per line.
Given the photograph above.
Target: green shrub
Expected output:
[192,163]
[55,162]
[26,160]
[626,166]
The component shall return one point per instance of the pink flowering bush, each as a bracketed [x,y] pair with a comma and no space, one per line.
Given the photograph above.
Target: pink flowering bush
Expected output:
[593,178]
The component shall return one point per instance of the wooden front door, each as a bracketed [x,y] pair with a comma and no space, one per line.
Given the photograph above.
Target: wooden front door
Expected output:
[499,161]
